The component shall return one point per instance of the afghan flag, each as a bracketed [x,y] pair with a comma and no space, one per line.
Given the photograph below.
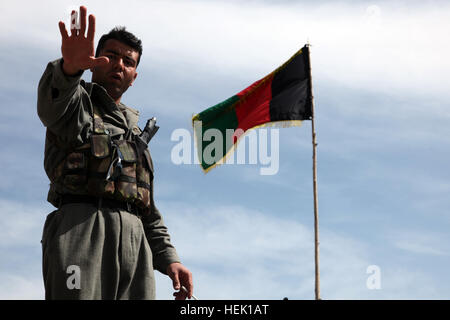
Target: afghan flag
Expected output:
[282,98]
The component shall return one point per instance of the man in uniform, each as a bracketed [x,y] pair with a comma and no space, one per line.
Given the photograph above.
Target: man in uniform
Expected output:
[106,236]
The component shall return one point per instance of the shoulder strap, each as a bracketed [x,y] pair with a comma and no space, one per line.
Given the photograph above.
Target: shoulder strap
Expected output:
[99,126]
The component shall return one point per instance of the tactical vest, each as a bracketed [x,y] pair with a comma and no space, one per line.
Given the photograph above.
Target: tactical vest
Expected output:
[103,168]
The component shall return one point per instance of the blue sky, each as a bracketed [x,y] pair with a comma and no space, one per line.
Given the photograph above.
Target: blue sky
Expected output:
[382,114]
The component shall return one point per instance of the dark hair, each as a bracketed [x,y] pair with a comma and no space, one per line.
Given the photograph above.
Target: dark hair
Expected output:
[120,34]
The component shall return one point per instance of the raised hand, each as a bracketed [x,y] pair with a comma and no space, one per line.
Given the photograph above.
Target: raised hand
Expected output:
[77,50]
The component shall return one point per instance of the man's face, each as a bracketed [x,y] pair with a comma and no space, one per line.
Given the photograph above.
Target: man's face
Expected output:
[119,74]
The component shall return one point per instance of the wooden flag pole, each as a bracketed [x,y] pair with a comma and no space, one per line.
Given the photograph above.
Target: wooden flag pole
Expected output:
[316,203]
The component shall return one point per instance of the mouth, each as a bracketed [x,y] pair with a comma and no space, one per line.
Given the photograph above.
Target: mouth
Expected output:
[116,77]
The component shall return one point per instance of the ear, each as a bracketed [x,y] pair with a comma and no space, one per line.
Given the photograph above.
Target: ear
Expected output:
[134,78]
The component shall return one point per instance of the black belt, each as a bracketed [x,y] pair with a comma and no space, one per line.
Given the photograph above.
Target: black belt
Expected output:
[101,203]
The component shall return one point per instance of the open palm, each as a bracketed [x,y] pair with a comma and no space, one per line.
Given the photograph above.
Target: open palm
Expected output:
[77,49]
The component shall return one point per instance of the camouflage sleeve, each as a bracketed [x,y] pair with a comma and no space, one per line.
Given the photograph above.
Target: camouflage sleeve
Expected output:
[63,104]
[164,253]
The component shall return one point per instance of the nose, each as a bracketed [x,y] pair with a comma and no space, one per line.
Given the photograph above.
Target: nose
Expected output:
[118,64]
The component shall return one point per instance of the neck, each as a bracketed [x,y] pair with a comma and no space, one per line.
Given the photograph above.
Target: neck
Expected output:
[107,89]
[115,99]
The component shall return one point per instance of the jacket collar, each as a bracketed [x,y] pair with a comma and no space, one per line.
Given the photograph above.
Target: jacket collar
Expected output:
[119,116]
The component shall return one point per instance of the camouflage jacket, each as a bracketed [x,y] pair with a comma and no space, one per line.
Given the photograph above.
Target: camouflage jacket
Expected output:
[65,106]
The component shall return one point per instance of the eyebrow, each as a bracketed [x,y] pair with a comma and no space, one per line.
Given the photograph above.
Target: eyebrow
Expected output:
[118,54]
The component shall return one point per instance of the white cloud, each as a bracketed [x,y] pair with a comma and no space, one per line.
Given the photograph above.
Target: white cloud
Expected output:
[20,234]
[239,253]
[387,47]
[419,248]
[21,224]
[16,287]
[421,242]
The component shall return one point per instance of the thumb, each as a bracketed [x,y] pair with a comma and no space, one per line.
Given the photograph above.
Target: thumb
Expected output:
[99,61]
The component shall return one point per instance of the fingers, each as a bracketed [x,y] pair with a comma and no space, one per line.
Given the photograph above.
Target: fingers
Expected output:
[187,286]
[176,281]
[180,295]
[78,26]
[187,282]
[190,287]
[62,30]
[188,291]
[91,29]
[83,11]
[73,23]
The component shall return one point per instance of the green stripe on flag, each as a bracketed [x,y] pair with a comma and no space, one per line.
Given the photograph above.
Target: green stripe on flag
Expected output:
[214,145]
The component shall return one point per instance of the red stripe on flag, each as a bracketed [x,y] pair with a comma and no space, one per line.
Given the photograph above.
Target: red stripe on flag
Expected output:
[254,109]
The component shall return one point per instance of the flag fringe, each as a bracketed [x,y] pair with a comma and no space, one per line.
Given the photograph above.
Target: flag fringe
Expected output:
[273,124]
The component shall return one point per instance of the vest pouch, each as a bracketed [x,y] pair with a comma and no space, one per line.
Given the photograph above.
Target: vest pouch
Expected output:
[148,161]
[125,185]
[97,183]
[100,145]
[75,171]
[98,166]
[127,149]
[143,184]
